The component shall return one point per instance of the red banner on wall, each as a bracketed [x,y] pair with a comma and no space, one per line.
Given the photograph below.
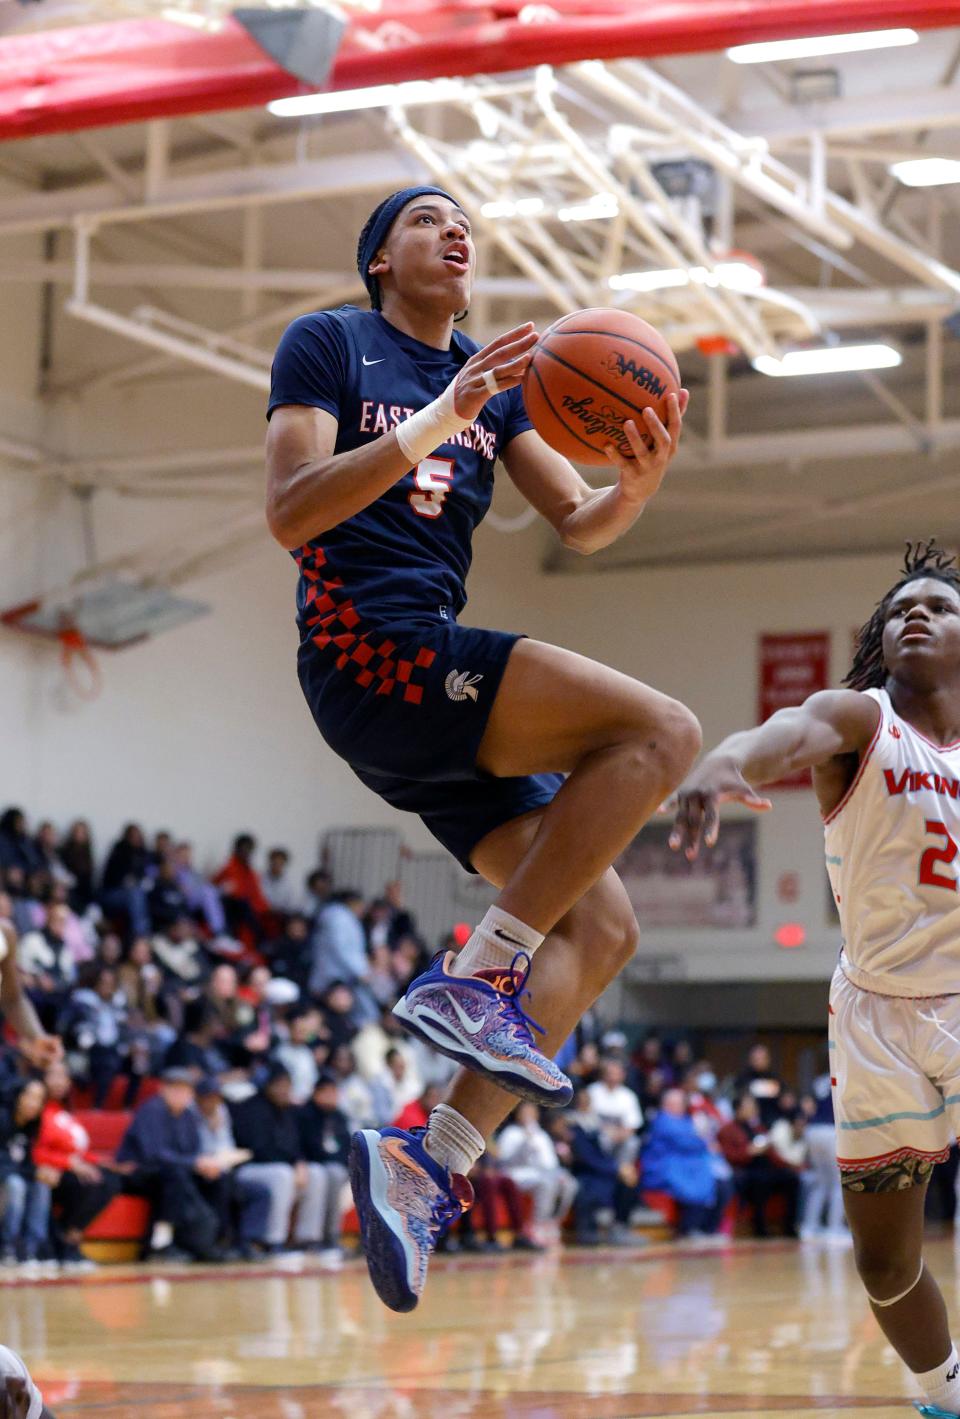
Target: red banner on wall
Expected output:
[792,666]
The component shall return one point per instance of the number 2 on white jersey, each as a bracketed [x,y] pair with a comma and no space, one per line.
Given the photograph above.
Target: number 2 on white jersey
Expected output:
[945,854]
[433,477]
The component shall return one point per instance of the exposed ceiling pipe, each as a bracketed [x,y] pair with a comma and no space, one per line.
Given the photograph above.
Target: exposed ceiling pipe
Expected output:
[133,70]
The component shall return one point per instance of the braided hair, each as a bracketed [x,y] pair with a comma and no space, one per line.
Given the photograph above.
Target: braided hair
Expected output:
[921,559]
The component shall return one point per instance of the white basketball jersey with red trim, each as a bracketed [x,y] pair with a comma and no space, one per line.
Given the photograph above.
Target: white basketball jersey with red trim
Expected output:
[893,855]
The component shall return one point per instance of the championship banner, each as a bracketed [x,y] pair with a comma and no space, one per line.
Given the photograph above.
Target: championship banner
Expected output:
[792,666]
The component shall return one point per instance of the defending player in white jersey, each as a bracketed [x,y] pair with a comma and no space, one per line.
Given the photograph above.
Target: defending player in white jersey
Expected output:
[885,756]
[19,1396]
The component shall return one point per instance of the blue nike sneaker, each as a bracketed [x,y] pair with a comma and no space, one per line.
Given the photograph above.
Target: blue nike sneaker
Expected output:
[479,1021]
[406,1201]
[933,1412]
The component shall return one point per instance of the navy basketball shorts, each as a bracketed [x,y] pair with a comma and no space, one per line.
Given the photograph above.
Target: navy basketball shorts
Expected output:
[406,706]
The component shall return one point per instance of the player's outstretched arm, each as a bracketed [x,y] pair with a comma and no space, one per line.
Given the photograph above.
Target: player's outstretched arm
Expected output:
[826,726]
[587,519]
[40,1048]
[311,489]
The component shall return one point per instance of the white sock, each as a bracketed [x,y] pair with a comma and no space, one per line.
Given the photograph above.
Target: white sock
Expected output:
[453,1140]
[495,942]
[942,1385]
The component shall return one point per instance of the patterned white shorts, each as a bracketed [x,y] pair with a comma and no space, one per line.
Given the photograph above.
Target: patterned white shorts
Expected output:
[895,1068]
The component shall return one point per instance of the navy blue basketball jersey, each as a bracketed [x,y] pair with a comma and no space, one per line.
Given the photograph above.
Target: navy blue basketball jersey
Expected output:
[409,552]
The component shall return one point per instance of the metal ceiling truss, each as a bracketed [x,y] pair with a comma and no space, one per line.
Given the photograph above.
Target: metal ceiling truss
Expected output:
[550,140]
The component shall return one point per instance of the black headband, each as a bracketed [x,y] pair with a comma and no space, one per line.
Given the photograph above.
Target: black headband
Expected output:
[378,224]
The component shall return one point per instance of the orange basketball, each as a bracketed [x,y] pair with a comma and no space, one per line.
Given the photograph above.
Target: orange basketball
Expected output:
[590,372]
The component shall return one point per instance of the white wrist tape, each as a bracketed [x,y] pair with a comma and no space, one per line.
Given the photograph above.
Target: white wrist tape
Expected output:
[428,428]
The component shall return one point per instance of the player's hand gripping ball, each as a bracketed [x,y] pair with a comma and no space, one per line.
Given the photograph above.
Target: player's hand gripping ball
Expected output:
[591,373]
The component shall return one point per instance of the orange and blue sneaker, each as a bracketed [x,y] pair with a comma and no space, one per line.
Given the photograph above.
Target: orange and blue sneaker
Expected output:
[479,1021]
[406,1201]
[933,1412]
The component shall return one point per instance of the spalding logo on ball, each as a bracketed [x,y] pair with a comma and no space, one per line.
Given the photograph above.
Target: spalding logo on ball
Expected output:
[590,373]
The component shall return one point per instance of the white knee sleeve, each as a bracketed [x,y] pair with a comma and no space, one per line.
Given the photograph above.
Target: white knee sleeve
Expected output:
[894,1299]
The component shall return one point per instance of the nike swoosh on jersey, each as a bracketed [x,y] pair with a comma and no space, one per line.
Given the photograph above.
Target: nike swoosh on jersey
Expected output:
[372,362]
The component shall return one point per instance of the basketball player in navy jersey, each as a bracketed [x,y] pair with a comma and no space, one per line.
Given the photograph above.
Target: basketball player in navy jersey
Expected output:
[885,756]
[532,765]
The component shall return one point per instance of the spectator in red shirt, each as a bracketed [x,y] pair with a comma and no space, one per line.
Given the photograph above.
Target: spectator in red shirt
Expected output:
[243,896]
[82,1189]
[757,1174]
[415,1114]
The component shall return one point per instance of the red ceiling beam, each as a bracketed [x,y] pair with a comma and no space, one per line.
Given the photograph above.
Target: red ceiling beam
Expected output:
[133,70]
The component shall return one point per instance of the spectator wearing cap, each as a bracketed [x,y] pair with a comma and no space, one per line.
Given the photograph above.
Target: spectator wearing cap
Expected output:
[268,1127]
[242,1203]
[325,1141]
[162,1154]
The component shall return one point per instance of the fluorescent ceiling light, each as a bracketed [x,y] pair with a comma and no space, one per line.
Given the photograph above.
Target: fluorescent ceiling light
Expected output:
[523,207]
[602,204]
[927,172]
[831,359]
[731,275]
[816,45]
[417,91]
[738,275]
[650,280]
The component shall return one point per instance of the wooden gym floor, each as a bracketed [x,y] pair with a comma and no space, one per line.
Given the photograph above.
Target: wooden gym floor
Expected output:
[754,1328]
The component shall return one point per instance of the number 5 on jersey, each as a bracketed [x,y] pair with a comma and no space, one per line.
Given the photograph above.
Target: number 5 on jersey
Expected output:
[433,477]
[934,856]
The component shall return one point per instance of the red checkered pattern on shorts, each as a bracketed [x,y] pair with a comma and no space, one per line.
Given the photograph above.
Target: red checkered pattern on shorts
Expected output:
[362,652]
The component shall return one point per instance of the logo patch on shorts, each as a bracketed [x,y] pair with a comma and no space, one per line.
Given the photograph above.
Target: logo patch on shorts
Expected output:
[460,685]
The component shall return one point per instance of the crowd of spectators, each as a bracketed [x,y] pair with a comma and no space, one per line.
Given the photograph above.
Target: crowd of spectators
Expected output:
[245,1017]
